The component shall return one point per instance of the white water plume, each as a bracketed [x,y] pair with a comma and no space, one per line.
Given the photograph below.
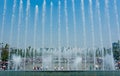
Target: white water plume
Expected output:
[35,29]
[92,30]
[51,23]
[74,22]
[11,28]
[26,25]
[66,23]
[100,30]
[17,62]
[3,20]
[117,20]
[67,29]
[43,22]
[59,32]
[19,22]
[84,28]
[43,27]
[109,30]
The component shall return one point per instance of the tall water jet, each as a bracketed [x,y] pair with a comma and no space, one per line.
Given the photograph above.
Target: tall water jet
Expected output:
[51,23]
[84,30]
[117,20]
[19,23]
[66,23]
[109,32]
[11,28]
[35,30]
[51,26]
[3,20]
[67,29]
[43,28]
[92,30]
[74,24]
[100,31]
[59,33]
[26,28]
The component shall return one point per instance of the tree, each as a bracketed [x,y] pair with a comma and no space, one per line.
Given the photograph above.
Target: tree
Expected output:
[5,53]
[116,50]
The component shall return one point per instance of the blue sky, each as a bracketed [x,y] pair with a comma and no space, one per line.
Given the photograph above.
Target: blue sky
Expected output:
[79,24]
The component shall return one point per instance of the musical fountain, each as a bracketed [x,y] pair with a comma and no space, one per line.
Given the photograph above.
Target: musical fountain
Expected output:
[53,30]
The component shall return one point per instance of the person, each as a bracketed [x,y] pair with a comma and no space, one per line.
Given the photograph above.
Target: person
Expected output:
[3,67]
[34,68]
[38,68]
[118,65]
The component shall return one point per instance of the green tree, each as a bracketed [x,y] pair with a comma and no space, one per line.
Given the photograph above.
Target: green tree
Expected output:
[5,52]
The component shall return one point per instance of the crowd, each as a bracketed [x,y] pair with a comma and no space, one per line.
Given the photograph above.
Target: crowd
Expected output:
[117,65]
[3,65]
